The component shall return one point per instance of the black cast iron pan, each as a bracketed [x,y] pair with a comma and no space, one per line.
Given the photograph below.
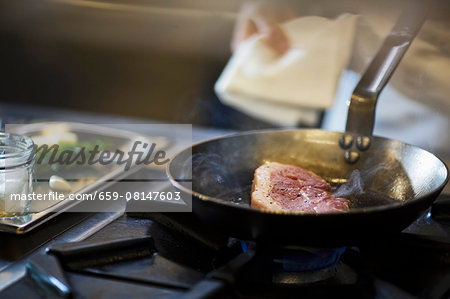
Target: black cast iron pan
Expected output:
[393,182]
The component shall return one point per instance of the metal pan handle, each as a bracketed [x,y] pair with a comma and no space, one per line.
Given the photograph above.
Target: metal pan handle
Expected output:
[361,111]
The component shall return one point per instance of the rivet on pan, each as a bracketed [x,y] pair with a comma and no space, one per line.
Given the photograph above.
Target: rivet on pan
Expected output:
[351,156]
[363,143]
[346,141]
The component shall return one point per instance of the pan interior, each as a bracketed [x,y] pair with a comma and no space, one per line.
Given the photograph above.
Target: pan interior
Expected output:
[390,172]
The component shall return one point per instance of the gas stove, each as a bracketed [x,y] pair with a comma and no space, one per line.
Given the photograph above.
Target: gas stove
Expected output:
[87,255]
[176,255]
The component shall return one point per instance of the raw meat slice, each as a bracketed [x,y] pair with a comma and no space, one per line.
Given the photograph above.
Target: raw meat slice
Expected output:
[286,187]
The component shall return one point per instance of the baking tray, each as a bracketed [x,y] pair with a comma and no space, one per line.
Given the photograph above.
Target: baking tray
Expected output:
[112,136]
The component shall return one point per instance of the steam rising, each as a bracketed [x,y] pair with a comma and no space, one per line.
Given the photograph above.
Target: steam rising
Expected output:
[356,180]
[353,186]
[213,176]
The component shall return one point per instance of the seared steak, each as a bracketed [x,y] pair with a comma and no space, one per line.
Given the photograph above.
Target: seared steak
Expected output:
[286,187]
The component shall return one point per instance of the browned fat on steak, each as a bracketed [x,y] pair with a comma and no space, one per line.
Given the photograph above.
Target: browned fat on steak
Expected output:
[286,187]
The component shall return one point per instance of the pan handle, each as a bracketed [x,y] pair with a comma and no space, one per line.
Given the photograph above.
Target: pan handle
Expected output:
[361,111]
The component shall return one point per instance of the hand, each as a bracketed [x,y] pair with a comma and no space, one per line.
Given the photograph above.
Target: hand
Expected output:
[263,18]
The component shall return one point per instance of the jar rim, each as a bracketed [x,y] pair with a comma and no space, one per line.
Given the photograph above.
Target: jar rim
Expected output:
[25,146]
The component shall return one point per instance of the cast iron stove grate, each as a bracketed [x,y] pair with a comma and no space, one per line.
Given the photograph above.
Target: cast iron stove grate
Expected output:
[181,258]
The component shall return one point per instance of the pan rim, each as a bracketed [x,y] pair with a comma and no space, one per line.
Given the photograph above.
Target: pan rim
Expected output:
[367,210]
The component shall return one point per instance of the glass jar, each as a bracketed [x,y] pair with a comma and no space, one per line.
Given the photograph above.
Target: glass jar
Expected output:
[17,157]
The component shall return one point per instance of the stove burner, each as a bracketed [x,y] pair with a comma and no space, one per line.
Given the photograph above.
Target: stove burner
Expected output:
[300,265]
[306,260]
[303,259]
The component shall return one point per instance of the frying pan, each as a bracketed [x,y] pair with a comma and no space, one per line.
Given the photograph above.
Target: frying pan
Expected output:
[397,182]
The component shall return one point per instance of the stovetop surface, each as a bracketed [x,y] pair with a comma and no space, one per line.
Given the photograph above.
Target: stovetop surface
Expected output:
[415,263]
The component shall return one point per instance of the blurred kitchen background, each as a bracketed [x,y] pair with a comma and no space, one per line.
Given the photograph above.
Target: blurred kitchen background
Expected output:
[159,60]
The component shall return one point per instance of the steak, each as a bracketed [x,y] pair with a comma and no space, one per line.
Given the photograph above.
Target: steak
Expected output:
[286,187]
